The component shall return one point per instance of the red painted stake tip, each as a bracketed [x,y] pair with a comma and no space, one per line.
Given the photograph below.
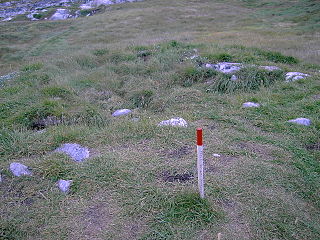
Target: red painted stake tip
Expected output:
[199,137]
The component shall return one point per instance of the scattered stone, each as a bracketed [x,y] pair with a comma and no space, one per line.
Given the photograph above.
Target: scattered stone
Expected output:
[250,104]
[64,185]
[1,178]
[135,119]
[294,76]
[216,155]
[234,78]
[7,19]
[61,14]
[9,76]
[121,112]
[75,151]
[174,122]
[270,68]
[301,121]
[19,169]
[225,67]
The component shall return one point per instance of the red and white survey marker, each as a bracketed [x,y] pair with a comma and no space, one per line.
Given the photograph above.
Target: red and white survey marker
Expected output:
[200,164]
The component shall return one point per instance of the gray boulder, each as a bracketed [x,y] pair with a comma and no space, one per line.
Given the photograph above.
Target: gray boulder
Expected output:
[180,122]
[64,185]
[75,151]
[301,121]
[19,169]
[121,112]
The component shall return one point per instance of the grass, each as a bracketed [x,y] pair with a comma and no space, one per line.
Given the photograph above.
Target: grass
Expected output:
[265,185]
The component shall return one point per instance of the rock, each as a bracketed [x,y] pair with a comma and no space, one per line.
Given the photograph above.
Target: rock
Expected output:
[19,169]
[216,155]
[75,151]
[250,104]
[234,78]
[301,121]
[97,3]
[294,76]
[225,67]
[121,112]
[64,185]
[7,19]
[9,76]
[135,119]
[174,122]
[1,178]
[270,68]
[60,14]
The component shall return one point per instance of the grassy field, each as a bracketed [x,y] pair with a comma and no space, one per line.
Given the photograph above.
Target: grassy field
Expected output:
[265,185]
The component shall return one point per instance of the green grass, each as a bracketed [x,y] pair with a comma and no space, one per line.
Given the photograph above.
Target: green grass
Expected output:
[265,185]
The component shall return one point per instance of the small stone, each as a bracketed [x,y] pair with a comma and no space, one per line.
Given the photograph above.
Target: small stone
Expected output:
[19,169]
[250,104]
[75,151]
[7,19]
[234,78]
[174,122]
[301,121]
[216,155]
[135,119]
[64,185]
[225,67]
[294,76]
[270,68]
[1,178]
[121,112]
[60,14]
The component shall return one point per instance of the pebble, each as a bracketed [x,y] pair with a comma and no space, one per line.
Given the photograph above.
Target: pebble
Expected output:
[234,78]
[174,122]
[75,151]
[301,121]
[216,155]
[121,112]
[64,185]
[250,104]
[19,169]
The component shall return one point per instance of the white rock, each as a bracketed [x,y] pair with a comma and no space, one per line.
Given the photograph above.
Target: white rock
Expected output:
[1,178]
[121,112]
[216,155]
[174,122]
[293,76]
[301,121]
[64,185]
[60,14]
[234,78]
[19,169]
[250,104]
[270,68]
[225,67]
[75,151]
[7,19]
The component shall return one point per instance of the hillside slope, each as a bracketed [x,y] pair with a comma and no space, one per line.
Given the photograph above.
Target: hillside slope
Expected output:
[62,81]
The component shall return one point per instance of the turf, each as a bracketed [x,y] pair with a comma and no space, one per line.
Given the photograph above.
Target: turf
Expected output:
[265,185]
